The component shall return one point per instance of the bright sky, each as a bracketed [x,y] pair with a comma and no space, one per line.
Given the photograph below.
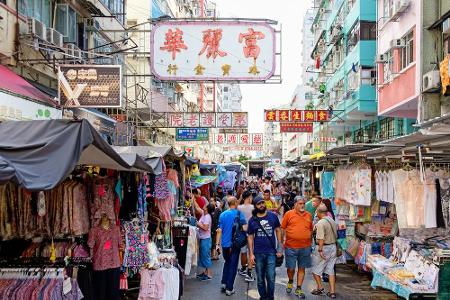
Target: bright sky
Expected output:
[289,13]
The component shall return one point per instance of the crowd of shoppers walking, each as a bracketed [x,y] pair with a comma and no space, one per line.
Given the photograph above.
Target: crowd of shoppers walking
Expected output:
[267,224]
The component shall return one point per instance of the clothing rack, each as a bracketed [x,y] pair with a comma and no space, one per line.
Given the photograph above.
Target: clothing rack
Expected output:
[20,273]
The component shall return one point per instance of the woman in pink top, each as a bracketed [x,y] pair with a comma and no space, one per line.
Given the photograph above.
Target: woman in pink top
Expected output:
[204,234]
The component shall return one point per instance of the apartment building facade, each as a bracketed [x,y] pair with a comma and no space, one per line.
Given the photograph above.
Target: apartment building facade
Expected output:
[344,54]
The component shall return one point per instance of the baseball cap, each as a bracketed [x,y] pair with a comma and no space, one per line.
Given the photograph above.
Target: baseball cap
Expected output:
[258,199]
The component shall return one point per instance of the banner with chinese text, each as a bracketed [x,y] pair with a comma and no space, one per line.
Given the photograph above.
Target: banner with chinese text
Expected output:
[286,115]
[243,148]
[207,120]
[296,127]
[243,139]
[213,50]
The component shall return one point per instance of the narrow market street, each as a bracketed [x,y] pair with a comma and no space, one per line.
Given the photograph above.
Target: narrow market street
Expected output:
[351,285]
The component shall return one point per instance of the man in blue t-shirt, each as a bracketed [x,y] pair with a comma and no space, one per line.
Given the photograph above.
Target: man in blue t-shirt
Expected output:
[225,236]
[262,228]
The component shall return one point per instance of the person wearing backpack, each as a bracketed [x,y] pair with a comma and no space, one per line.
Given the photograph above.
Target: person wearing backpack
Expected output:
[262,228]
[231,237]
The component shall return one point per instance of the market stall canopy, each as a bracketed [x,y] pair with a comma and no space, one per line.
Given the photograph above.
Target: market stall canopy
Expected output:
[198,181]
[136,162]
[191,161]
[353,148]
[234,166]
[15,84]
[152,158]
[43,153]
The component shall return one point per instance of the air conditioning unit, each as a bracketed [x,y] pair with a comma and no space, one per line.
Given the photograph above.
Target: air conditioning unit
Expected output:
[54,37]
[36,29]
[431,81]
[446,26]
[381,58]
[400,7]
[74,52]
[398,43]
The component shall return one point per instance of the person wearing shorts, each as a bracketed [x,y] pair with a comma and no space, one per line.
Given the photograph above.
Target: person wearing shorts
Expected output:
[297,230]
[246,207]
[324,256]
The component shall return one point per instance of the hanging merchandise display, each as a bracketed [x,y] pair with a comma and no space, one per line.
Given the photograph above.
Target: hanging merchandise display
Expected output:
[353,184]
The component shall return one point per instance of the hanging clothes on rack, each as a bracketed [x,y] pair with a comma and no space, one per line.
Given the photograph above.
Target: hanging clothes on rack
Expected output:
[136,239]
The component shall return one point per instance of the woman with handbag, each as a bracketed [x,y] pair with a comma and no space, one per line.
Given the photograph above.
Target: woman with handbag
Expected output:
[263,252]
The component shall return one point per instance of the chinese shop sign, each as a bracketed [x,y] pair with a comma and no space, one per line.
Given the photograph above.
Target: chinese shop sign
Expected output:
[207,120]
[296,127]
[243,148]
[90,86]
[213,50]
[192,134]
[245,139]
[277,115]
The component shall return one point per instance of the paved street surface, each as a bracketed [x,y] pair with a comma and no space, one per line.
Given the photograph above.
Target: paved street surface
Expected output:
[352,285]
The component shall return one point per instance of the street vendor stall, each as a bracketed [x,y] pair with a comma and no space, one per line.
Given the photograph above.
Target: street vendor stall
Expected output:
[67,201]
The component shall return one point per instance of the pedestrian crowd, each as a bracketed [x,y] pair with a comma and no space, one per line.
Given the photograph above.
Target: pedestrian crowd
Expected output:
[264,224]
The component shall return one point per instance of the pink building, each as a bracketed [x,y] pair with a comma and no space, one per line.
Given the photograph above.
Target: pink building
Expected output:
[398,46]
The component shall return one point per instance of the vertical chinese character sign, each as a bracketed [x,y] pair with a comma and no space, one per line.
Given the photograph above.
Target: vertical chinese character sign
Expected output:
[213,50]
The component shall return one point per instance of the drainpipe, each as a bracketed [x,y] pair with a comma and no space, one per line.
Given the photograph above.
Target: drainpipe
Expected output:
[420,67]
[17,27]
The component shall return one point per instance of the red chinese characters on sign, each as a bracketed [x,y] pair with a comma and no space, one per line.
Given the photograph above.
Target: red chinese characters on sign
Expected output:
[296,115]
[191,120]
[232,138]
[251,49]
[207,120]
[257,139]
[174,42]
[211,40]
[296,127]
[220,138]
[283,115]
[240,119]
[244,139]
[309,115]
[176,120]
[224,119]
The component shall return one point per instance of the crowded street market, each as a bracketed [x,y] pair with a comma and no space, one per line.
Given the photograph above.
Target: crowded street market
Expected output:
[224,149]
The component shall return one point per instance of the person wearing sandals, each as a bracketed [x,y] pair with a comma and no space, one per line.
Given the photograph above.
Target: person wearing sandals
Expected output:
[297,228]
[324,255]
[204,225]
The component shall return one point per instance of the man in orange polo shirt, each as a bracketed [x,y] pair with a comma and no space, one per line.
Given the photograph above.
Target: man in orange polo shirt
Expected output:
[297,231]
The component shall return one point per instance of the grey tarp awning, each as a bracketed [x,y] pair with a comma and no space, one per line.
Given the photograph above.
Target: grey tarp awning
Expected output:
[152,158]
[43,153]
[136,162]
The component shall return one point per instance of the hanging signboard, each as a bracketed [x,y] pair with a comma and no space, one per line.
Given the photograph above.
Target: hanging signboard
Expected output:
[90,85]
[243,139]
[192,134]
[189,151]
[207,120]
[243,148]
[283,115]
[213,50]
[296,127]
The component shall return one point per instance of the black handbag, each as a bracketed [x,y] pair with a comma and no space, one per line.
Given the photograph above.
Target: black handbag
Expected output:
[279,260]
[239,235]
